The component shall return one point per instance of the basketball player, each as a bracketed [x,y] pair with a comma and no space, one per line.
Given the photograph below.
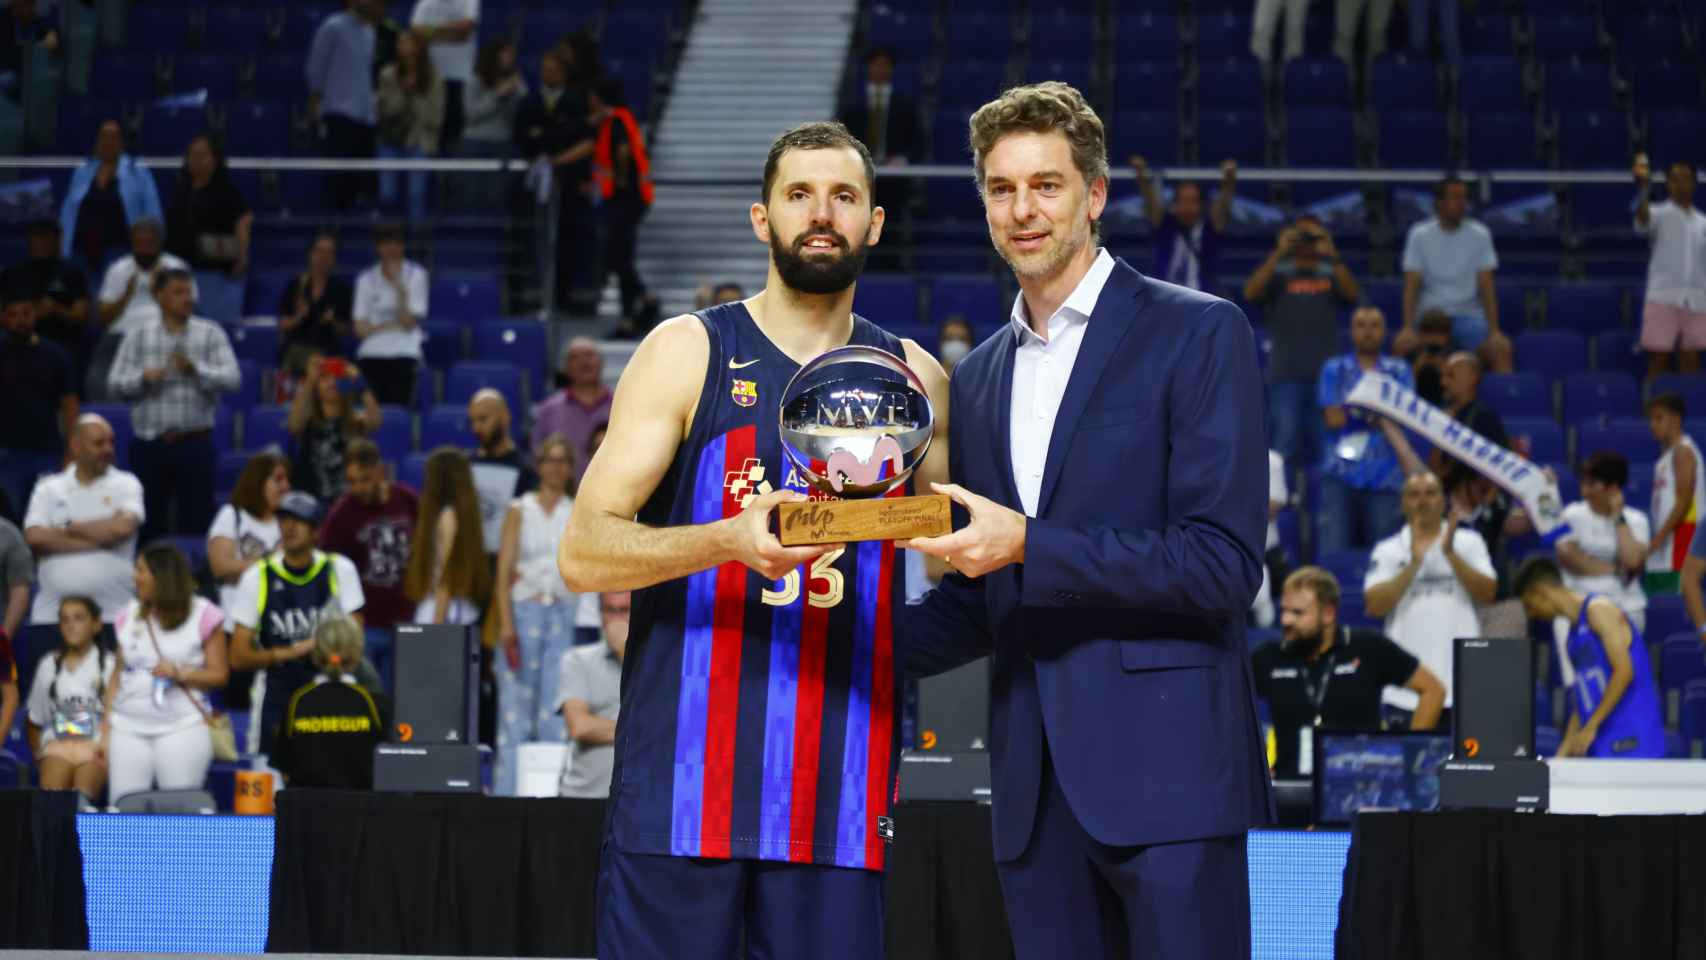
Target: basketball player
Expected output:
[757,743]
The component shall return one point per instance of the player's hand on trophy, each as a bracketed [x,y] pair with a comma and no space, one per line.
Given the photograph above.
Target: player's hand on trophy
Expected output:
[758,548]
[994,538]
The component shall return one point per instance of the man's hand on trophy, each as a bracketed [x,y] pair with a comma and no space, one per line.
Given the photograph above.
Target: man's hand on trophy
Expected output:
[994,538]
[754,545]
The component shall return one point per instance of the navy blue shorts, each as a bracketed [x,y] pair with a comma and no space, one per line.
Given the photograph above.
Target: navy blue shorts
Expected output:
[672,907]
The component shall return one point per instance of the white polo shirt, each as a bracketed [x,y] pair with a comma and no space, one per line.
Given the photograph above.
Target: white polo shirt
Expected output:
[103,575]
[1437,608]
[453,61]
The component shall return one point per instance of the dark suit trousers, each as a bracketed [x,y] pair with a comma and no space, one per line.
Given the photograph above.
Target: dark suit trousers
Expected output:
[177,484]
[1070,896]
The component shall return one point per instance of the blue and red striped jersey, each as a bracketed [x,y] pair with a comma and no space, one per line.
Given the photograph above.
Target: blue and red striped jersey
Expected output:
[758,717]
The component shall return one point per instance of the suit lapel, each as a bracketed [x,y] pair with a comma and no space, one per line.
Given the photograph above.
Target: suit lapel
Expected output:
[1108,325]
[1001,418]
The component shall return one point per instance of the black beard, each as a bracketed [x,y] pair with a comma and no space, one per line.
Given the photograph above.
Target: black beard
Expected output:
[1304,644]
[817,275]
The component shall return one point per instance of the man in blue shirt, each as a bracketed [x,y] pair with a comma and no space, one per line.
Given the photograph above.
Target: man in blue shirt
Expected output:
[340,92]
[1360,474]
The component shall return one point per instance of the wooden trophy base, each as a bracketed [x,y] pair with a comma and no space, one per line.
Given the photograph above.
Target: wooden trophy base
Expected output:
[852,521]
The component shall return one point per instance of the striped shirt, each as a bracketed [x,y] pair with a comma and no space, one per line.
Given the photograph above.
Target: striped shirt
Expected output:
[181,401]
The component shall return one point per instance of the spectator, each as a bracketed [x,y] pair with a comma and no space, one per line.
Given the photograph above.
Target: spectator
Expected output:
[373,525]
[278,604]
[448,578]
[332,724]
[24,24]
[66,705]
[340,74]
[1679,490]
[314,313]
[624,176]
[41,401]
[596,438]
[954,340]
[1274,560]
[1614,701]
[390,303]
[552,125]
[1186,245]
[885,119]
[171,649]
[589,692]
[8,685]
[60,290]
[173,370]
[575,409]
[536,613]
[1347,18]
[501,472]
[106,197]
[82,525]
[126,299]
[1423,13]
[1360,474]
[1300,287]
[1605,550]
[1327,675]
[1428,354]
[1427,578]
[448,28]
[1448,265]
[245,530]
[726,292]
[411,117]
[1675,307]
[17,575]
[493,96]
[1262,27]
[324,417]
[207,226]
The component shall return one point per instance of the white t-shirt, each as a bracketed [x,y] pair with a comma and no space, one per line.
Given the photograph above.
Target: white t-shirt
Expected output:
[1450,262]
[536,553]
[254,538]
[453,61]
[76,694]
[135,708]
[141,306]
[245,611]
[1597,537]
[1437,608]
[1668,558]
[102,575]
[376,303]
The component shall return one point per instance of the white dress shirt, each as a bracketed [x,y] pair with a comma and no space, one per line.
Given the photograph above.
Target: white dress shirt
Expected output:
[376,303]
[1676,274]
[1041,370]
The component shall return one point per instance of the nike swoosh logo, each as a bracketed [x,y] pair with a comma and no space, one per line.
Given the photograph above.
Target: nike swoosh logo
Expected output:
[737,366]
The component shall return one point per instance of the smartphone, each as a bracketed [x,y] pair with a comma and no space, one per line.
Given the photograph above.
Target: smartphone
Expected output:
[334,367]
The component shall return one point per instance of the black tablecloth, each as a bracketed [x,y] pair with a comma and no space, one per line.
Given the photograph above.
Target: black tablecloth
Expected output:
[452,875]
[42,901]
[1510,885]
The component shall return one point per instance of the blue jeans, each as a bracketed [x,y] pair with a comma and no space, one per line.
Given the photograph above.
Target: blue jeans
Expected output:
[1294,422]
[527,698]
[379,653]
[417,183]
[1450,42]
[19,470]
[1347,518]
[219,295]
[1468,331]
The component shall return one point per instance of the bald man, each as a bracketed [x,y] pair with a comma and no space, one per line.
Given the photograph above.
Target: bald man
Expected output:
[579,408]
[501,471]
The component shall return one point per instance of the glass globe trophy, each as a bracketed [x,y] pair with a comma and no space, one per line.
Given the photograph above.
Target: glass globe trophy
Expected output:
[856,422]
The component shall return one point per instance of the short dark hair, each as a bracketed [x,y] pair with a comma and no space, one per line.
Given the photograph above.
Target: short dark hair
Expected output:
[361,452]
[740,293]
[818,135]
[880,51]
[1608,467]
[1667,401]
[87,602]
[167,276]
[1447,181]
[388,231]
[1538,570]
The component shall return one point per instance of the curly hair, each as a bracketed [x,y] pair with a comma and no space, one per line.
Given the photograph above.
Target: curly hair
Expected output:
[1042,108]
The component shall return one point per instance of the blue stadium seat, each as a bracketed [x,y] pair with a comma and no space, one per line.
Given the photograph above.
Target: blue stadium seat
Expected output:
[299,20]
[1569,484]
[236,29]
[1692,722]
[1667,615]
[1574,84]
[1487,35]
[267,426]
[1388,295]
[1600,395]
[1494,84]
[519,342]
[909,33]
[1661,84]
[1402,82]
[1517,394]
[396,433]
[1593,138]
[445,425]
[248,392]
[118,415]
[1233,83]
[1348,566]
[887,298]
[1146,36]
[1513,304]
[1554,353]
[1655,36]
[972,82]
[1059,35]
[262,127]
[1681,660]
[224,428]
[1319,137]
[1690,386]
[228,467]
[1499,140]
[1675,133]
[411,470]
[546,26]
[1351,610]
[1414,139]
[1626,435]
[255,342]
[1588,308]
[1222,34]
[948,137]
[1152,134]
[464,379]
[1565,36]
[265,290]
[167,130]
[976,297]
[631,35]
[441,344]
[466,298]
[278,76]
[1603,208]
[983,33]
[1073,71]
[1639,489]
[128,77]
[1541,437]
[161,27]
[214,72]
[1317,82]
[1239,134]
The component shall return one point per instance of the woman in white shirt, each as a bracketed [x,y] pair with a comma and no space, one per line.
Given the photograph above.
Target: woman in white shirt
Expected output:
[536,611]
[65,704]
[1606,548]
[171,648]
[390,303]
[448,576]
[245,530]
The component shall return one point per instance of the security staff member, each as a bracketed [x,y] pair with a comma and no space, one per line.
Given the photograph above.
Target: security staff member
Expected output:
[279,602]
[332,725]
[1324,674]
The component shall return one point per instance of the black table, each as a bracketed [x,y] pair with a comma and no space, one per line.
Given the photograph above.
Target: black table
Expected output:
[42,900]
[461,875]
[1471,884]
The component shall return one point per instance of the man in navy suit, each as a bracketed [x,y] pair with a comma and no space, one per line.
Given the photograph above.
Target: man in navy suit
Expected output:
[1108,447]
